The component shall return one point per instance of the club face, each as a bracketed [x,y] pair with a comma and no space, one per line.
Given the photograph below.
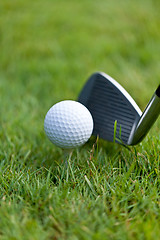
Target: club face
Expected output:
[108,102]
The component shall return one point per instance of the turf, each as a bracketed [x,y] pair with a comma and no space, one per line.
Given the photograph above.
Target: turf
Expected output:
[48,50]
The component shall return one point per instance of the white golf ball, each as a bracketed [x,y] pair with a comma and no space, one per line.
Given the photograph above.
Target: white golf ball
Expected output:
[68,124]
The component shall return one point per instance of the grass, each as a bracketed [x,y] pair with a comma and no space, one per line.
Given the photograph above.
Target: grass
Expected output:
[48,50]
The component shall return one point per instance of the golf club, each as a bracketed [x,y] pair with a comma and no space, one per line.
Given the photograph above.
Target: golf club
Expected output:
[116,115]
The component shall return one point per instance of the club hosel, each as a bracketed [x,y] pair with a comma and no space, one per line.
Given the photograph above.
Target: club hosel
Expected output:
[147,119]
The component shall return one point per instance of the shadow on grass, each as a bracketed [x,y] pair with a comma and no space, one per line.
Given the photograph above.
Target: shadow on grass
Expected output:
[48,154]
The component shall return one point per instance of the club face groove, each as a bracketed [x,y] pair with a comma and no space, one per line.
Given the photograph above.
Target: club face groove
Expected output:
[108,102]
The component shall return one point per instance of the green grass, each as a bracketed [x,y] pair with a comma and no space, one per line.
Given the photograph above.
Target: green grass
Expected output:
[47,51]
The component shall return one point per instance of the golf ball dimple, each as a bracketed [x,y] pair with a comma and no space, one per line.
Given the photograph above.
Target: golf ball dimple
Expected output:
[68,124]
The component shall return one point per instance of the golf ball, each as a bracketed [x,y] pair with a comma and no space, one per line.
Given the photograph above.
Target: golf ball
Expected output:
[68,124]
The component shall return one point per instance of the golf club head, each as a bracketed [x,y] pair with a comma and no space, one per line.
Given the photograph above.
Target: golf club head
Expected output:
[115,113]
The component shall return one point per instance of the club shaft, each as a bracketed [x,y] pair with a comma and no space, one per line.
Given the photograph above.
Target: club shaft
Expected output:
[147,119]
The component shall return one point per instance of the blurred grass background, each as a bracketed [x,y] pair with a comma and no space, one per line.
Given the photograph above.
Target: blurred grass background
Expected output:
[48,49]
